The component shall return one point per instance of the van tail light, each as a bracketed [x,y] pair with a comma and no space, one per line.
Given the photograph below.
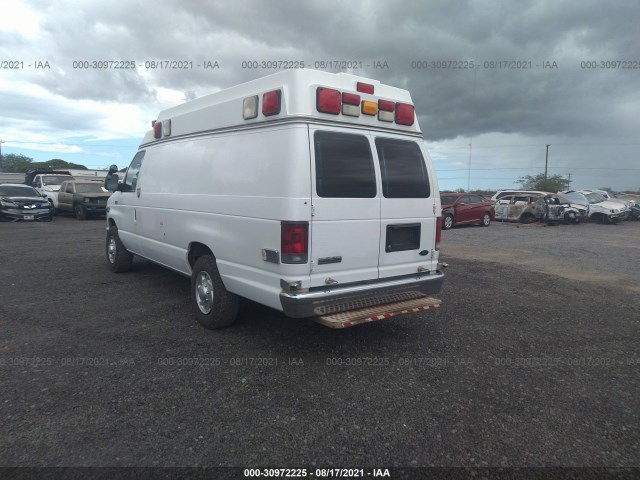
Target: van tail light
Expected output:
[294,242]
[271,103]
[438,232]
[328,100]
[405,114]
[157,129]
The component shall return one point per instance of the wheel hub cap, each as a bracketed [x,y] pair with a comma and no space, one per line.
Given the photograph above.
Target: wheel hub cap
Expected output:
[111,250]
[204,292]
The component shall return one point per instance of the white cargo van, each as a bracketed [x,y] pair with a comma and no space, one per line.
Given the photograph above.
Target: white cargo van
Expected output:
[306,191]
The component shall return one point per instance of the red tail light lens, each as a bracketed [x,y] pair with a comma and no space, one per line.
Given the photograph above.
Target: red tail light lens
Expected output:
[157,129]
[438,232]
[386,105]
[405,114]
[294,242]
[351,99]
[365,88]
[271,103]
[328,100]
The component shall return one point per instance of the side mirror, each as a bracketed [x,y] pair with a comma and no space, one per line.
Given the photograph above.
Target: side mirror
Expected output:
[111,182]
[44,195]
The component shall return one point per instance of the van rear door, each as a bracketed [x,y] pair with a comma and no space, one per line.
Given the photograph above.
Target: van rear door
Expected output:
[408,218]
[345,227]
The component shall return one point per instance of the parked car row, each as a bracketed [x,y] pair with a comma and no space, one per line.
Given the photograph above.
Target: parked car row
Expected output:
[527,206]
[51,194]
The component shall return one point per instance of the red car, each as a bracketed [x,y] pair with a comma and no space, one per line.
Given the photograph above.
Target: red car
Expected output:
[461,208]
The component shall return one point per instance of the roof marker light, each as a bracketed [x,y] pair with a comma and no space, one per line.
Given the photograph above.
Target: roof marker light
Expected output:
[271,103]
[369,108]
[386,108]
[328,100]
[386,105]
[365,88]
[351,110]
[157,129]
[250,107]
[351,99]
[166,128]
[405,114]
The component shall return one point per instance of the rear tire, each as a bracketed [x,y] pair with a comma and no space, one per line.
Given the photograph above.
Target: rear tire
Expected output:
[447,222]
[80,211]
[486,220]
[213,305]
[118,257]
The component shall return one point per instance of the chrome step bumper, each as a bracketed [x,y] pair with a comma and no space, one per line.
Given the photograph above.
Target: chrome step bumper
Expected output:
[330,300]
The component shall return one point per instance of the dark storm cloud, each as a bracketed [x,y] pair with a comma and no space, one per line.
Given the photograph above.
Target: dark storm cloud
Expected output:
[540,103]
[451,102]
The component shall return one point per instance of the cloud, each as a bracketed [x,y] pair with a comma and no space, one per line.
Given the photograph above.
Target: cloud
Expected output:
[509,95]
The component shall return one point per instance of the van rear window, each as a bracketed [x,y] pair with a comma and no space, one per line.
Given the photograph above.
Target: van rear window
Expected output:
[404,174]
[344,166]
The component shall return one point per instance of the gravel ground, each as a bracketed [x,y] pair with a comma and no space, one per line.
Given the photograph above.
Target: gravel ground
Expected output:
[521,366]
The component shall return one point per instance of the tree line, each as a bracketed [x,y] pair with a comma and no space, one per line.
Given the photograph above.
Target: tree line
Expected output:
[17,163]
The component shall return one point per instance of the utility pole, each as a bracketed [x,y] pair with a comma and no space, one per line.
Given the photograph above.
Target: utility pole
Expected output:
[546,162]
[1,142]
[569,181]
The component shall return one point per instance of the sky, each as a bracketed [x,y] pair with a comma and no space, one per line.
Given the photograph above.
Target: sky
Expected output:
[493,82]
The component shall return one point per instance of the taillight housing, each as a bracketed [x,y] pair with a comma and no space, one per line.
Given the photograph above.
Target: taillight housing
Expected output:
[438,232]
[328,100]
[157,129]
[294,242]
[386,110]
[405,114]
[271,103]
[351,104]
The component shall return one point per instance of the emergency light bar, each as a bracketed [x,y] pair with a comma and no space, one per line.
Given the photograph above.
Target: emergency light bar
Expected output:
[333,102]
[343,96]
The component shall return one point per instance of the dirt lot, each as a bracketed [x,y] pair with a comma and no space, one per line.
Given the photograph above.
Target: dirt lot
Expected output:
[532,361]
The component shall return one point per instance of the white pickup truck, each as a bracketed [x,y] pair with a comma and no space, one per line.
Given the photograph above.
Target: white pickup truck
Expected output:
[48,182]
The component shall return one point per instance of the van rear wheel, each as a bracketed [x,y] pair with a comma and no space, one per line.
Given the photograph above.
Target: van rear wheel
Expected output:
[214,306]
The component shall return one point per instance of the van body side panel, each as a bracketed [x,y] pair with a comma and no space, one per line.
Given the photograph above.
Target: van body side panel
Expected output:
[229,192]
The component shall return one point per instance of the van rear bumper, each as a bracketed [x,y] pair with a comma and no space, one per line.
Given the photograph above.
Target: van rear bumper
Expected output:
[335,299]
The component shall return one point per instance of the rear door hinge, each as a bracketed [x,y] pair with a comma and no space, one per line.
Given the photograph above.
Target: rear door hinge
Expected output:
[313,210]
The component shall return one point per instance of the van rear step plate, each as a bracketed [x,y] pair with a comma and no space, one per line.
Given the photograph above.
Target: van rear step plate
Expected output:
[379,312]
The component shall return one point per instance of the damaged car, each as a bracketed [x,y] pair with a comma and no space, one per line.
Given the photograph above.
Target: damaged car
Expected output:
[598,209]
[555,208]
[517,208]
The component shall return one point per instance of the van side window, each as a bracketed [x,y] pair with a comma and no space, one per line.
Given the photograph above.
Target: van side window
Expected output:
[404,174]
[131,178]
[344,166]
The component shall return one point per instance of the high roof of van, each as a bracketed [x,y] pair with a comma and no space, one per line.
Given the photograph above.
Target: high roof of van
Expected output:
[292,94]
